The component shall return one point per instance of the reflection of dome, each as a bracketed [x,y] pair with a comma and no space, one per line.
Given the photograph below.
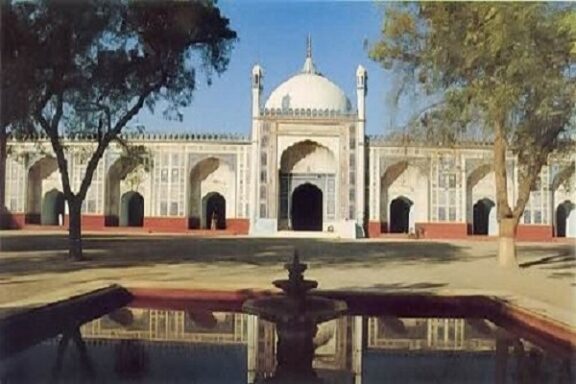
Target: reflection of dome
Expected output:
[308,90]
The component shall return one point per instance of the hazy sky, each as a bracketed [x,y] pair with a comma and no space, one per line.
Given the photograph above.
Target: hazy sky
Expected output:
[273,34]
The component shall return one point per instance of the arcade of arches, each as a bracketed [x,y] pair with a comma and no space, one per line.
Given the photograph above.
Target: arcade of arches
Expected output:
[306,165]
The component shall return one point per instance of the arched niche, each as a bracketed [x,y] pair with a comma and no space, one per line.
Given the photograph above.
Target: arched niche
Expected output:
[565,225]
[214,211]
[400,215]
[42,176]
[131,210]
[484,217]
[208,176]
[118,172]
[53,208]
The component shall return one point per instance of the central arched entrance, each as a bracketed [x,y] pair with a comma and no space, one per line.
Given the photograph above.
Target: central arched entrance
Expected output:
[306,212]
[214,211]
[400,215]
[132,210]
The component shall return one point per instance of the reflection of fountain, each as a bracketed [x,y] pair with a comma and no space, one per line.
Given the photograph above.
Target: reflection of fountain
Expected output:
[296,315]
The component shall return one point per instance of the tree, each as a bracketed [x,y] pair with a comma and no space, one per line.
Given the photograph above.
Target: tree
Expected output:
[14,110]
[509,68]
[94,65]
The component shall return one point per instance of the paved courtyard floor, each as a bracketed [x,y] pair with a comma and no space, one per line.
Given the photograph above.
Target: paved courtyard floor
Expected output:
[34,267]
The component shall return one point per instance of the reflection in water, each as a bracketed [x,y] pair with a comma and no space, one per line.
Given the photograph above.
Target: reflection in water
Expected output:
[131,359]
[148,345]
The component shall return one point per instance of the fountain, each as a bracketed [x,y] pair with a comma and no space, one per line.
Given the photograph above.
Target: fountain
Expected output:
[296,315]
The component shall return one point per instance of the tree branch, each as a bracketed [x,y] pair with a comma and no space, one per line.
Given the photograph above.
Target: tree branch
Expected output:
[51,129]
[112,134]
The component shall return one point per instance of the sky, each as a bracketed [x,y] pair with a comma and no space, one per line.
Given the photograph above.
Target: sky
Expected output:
[273,34]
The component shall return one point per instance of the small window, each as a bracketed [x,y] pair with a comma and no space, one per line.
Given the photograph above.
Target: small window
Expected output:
[527,217]
[163,208]
[91,206]
[175,175]
[538,217]
[164,175]
[262,210]
[441,214]
[452,213]
[173,209]
[263,159]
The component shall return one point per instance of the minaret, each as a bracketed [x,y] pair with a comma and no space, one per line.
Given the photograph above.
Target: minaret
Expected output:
[256,89]
[361,91]
[257,74]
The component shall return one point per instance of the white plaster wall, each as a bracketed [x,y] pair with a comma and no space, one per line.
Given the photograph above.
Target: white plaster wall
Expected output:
[413,185]
[223,181]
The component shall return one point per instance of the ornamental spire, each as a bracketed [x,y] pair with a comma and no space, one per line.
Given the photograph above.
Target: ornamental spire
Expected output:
[309,66]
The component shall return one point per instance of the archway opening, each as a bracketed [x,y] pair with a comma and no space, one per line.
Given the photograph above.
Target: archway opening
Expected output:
[53,208]
[481,217]
[561,216]
[114,204]
[563,213]
[214,205]
[306,212]
[41,170]
[132,210]
[208,175]
[400,215]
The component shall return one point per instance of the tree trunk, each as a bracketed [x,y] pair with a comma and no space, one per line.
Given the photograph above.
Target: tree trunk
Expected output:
[4,219]
[507,242]
[75,229]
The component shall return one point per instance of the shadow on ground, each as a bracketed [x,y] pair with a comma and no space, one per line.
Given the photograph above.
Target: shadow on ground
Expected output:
[560,261]
[48,253]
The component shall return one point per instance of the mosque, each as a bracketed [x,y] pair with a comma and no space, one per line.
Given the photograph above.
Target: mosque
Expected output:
[307,169]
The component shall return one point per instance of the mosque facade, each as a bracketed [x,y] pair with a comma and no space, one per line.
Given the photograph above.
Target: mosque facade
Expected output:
[306,166]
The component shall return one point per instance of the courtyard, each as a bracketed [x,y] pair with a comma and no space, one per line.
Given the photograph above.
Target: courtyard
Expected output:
[35,269]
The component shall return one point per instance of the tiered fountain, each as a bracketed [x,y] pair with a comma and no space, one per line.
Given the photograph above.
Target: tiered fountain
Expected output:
[296,315]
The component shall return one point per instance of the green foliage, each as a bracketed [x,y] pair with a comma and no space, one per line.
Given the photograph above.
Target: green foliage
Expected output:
[98,58]
[494,62]
[506,71]
[88,67]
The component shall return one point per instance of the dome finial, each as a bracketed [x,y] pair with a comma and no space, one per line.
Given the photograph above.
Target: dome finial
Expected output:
[308,63]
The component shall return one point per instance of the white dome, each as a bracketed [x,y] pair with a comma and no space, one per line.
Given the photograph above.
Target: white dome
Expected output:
[308,90]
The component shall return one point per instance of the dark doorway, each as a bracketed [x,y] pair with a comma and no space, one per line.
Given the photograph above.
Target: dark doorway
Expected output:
[53,208]
[400,215]
[132,210]
[562,213]
[481,217]
[215,211]
[306,212]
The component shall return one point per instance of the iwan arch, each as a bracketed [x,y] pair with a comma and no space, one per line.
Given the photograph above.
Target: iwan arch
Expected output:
[307,166]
